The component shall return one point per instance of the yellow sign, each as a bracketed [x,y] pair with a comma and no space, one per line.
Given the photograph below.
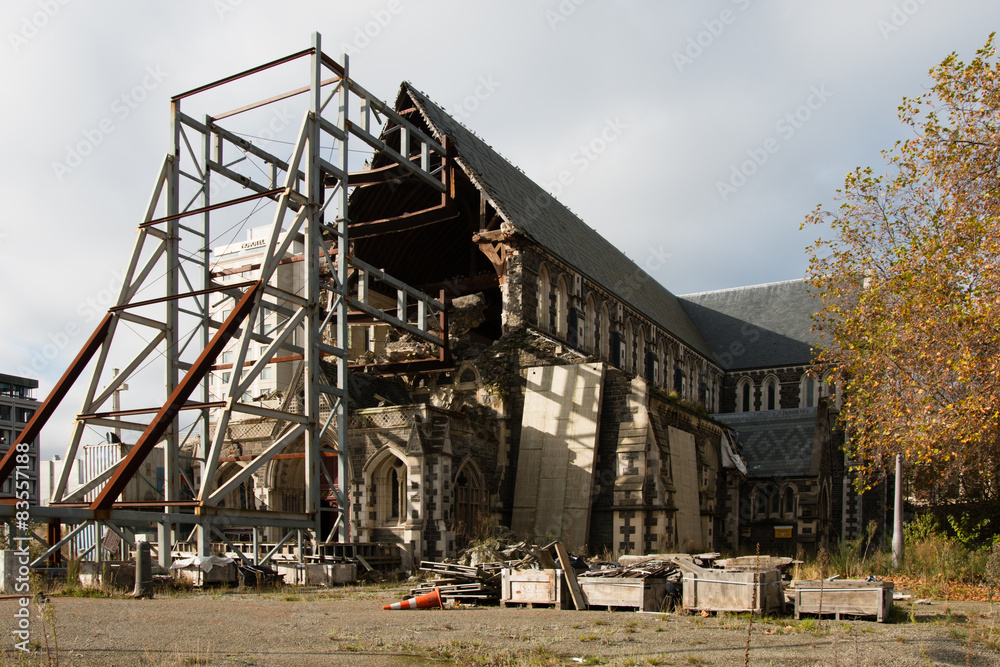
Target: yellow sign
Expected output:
[782,532]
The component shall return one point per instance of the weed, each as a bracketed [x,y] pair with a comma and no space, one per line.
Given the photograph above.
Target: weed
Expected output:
[809,625]
[588,638]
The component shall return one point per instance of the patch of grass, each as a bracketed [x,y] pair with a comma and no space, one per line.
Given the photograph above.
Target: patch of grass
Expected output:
[809,625]
[695,660]
[83,592]
[589,638]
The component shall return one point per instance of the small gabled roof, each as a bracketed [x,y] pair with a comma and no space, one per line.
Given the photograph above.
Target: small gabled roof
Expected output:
[760,326]
[777,443]
[536,214]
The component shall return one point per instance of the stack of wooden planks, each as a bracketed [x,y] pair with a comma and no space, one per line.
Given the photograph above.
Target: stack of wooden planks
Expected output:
[462,582]
[656,569]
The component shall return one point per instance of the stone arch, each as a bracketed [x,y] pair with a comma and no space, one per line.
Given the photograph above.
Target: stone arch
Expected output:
[744,395]
[590,325]
[627,364]
[788,503]
[662,352]
[808,390]
[770,394]
[562,307]
[544,298]
[470,498]
[242,497]
[386,478]
[605,332]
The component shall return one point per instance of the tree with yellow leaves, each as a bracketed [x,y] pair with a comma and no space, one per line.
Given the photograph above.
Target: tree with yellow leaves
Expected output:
[908,271]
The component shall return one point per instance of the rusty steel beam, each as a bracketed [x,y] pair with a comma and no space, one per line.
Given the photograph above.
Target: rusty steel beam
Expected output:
[146,411]
[57,394]
[129,466]
[244,73]
[223,204]
[277,457]
[177,297]
[275,98]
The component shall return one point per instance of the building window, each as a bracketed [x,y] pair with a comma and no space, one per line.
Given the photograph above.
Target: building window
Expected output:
[771,394]
[661,364]
[5,413]
[544,298]
[23,415]
[642,359]
[562,307]
[807,391]
[389,490]
[744,395]
[605,332]
[590,325]
[788,502]
[470,499]
[627,363]
[758,501]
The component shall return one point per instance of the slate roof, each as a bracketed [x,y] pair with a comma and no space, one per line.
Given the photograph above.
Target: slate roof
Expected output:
[760,326]
[776,443]
[534,212]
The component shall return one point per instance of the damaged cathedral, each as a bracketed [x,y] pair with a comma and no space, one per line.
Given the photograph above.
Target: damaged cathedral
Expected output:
[578,400]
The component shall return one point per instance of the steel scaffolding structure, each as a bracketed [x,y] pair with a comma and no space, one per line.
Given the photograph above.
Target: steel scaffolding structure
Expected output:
[300,319]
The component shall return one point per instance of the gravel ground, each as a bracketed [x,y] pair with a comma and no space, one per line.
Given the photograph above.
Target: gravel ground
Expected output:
[348,627]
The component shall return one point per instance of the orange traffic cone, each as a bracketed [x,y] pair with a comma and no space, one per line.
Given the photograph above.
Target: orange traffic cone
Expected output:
[425,601]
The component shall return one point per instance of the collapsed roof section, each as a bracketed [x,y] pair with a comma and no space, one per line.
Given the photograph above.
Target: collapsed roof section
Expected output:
[777,443]
[527,209]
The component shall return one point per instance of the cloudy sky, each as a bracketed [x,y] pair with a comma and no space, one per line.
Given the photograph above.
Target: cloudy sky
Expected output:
[694,135]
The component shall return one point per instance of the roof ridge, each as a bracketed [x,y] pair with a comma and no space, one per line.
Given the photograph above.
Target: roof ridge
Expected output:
[743,288]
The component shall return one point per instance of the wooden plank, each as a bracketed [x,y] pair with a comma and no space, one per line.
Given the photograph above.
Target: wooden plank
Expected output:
[575,592]
[544,558]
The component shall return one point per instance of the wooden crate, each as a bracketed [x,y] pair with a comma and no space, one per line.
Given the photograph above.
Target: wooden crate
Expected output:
[545,587]
[720,590]
[843,597]
[636,593]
